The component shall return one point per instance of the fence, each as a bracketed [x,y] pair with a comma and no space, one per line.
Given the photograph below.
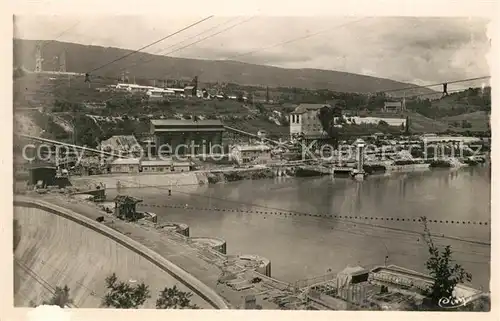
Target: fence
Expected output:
[313,281]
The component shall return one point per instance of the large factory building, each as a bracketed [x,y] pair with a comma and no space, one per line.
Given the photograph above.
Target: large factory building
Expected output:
[181,137]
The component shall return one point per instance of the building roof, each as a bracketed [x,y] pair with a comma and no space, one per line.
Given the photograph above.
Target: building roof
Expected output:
[189,87]
[125,199]
[179,163]
[189,129]
[126,161]
[302,108]
[134,86]
[157,162]
[120,142]
[250,148]
[186,122]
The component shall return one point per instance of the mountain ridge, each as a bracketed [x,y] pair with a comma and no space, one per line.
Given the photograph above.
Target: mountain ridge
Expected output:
[83,58]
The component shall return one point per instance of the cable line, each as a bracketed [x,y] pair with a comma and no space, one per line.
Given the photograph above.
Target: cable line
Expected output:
[296,39]
[59,36]
[180,42]
[213,35]
[434,85]
[151,44]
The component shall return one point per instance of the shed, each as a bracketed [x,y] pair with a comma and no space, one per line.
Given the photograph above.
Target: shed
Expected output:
[42,172]
[151,166]
[352,275]
[190,91]
[125,207]
[181,166]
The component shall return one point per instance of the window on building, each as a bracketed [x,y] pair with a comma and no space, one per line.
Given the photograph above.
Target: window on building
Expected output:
[131,168]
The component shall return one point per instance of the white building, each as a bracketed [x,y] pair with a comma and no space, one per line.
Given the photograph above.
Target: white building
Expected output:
[159,93]
[125,165]
[158,166]
[393,107]
[304,119]
[458,139]
[375,120]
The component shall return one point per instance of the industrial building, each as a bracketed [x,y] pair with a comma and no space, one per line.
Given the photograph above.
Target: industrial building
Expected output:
[394,106]
[245,154]
[181,137]
[125,165]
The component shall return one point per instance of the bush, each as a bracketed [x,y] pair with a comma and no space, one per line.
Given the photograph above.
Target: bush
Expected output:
[60,298]
[122,295]
[173,298]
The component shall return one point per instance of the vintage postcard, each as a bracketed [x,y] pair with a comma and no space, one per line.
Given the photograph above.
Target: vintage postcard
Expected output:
[252,161]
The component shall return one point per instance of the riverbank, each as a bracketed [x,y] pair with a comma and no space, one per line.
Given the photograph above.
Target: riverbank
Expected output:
[140,180]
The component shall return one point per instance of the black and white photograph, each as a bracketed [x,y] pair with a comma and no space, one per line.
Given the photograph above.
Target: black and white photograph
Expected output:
[251,162]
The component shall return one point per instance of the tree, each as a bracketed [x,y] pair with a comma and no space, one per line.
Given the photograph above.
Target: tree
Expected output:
[60,298]
[466,124]
[16,234]
[173,298]
[122,295]
[327,116]
[446,275]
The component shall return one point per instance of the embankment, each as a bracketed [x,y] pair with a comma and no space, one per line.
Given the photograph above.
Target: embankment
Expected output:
[239,175]
[58,247]
[143,180]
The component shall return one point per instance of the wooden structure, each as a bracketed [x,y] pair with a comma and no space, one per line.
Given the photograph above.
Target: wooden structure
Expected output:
[125,207]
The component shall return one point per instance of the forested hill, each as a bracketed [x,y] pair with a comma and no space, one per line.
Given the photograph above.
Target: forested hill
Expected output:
[82,58]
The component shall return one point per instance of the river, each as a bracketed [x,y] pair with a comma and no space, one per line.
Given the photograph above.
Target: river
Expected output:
[302,246]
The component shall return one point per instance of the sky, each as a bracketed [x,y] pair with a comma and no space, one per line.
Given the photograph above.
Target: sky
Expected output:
[409,49]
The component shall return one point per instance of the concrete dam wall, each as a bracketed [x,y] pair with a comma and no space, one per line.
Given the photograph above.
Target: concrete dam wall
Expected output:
[57,247]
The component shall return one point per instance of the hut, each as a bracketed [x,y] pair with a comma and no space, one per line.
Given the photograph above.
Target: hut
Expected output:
[125,207]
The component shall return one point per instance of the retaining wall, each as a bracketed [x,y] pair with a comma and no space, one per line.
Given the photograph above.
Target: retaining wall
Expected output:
[58,247]
[145,180]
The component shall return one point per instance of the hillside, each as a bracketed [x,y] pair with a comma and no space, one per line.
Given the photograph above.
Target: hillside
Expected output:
[82,58]
[478,120]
